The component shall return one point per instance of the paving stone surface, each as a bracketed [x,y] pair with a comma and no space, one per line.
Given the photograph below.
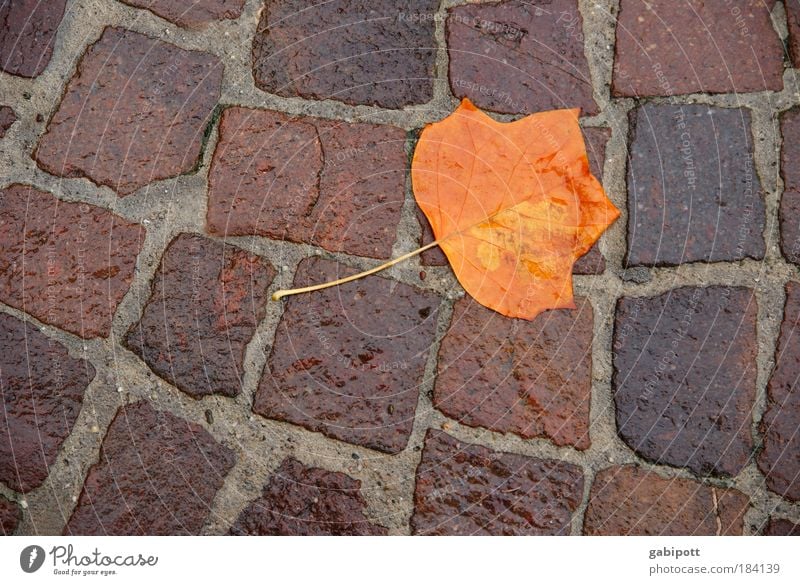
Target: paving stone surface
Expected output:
[790,200]
[779,460]
[348,361]
[629,500]
[684,377]
[28,35]
[135,112]
[372,52]
[519,57]
[665,48]
[67,264]
[781,527]
[533,379]
[793,22]
[332,184]
[7,118]
[191,13]
[167,165]
[207,299]
[307,501]
[10,515]
[43,389]
[693,192]
[157,474]
[465,489]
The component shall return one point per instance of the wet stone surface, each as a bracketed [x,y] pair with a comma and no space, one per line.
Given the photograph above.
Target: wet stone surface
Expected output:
[693,192]
[43,390]
[372,52]
[519,57]
[790,173]
[668,48]
[207,300]
[308,501]
[781,527]
[7,118]
[332,184]
[530,378]
[134,113]
[77,260]
[191,13]
[779,460]
[465,489]
[631,501]
[157,475]
[793,22]
[347,361]
[10,516]
[28,35]
[685,375]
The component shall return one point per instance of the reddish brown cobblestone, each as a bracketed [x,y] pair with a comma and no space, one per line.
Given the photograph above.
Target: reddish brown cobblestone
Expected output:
[790,173]
[191,13]
[518,58]
[67,264]
[10,516]
[28,34]
[332,184]
[347,361]
[592,262]
[307,501]
[685,375]
[781,527]
[793,21]
[531,378]
[157,475]
[134,113]
[669,47]
[373,52]
[631,501]
[207,301]
[465,489]
[42,394]
[7,118]
[780,458]
[693,192]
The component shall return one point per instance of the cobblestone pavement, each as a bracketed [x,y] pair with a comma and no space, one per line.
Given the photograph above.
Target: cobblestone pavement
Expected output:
[167,165]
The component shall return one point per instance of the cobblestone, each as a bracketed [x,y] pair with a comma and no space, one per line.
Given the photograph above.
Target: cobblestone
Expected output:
[207,300]
[134,113]
[307,501]
[631,501]
[28,35]
[67,264]
[667,48]
[693,193]
[684,377]
[528,378]
[348,361]
[157,475]
[355,51]
[465,489]
[43,390]
[335,185]
[779,460]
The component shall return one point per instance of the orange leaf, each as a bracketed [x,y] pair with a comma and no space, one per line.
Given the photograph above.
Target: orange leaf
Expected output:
[512,205]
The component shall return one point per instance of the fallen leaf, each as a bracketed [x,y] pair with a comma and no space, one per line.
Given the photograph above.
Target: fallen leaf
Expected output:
[512,205]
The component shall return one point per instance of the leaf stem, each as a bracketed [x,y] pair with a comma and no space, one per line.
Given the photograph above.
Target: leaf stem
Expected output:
[285,293]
